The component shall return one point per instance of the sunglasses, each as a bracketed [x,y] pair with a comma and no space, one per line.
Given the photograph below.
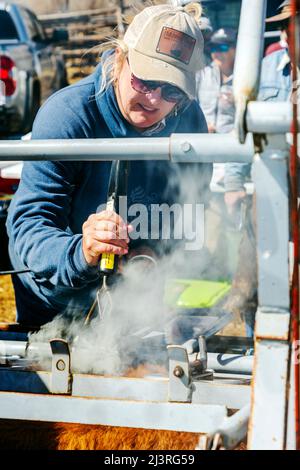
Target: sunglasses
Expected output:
[168,92]
[220,48]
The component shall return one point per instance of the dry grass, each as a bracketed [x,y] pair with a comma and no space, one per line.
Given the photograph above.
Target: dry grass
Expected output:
[7,300]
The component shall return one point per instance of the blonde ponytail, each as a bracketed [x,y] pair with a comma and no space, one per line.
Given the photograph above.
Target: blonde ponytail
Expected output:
[194,9]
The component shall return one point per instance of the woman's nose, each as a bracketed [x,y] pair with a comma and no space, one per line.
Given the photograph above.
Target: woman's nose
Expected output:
[154,95]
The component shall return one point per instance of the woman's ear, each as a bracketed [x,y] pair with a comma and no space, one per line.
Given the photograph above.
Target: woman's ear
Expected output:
[119,59]
[118,53]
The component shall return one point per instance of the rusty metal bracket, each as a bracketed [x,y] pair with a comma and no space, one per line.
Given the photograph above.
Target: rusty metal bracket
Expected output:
[60,370]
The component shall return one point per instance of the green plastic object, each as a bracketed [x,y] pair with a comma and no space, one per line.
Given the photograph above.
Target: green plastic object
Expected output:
[194,294]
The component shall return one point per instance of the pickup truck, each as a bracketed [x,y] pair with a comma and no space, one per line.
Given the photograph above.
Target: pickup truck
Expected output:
[31,68]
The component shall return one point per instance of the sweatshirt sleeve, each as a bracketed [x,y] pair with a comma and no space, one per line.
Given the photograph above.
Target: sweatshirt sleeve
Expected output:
[38,217]
[236,175]
[38,225]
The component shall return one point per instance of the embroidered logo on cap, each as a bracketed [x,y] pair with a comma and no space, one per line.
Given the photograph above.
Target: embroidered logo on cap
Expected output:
[176,44]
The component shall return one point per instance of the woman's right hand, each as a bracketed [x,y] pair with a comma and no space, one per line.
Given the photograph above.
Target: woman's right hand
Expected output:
[104,232]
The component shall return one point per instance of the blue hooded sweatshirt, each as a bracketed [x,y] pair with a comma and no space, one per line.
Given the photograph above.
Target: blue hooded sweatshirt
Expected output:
[54,199]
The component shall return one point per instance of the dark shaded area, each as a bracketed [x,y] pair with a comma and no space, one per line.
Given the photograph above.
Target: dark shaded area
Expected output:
[8,29]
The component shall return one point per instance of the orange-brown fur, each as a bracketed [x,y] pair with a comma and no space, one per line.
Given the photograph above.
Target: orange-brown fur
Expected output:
[62,436]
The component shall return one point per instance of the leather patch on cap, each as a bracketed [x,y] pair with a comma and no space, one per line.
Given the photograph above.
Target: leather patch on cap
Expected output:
[176,44]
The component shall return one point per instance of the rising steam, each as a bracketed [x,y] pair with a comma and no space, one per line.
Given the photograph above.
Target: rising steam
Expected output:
[138,327]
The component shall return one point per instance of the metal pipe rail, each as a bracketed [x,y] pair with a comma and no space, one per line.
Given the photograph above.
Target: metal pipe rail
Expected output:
[229,363]
[248,59]
[183,417]
[261,118]
[232,392]
[269,118]
[180,148]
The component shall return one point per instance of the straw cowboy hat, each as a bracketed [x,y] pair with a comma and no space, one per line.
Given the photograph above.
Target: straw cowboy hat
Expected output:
[285,13]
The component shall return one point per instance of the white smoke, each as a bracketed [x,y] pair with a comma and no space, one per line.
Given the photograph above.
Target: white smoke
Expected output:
[138,326]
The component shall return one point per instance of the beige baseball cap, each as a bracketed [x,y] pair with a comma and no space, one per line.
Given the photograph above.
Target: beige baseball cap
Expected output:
[165,43]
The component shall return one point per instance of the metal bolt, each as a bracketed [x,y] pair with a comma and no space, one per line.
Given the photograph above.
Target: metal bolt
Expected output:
[178,371]
[60,365]
[185,146]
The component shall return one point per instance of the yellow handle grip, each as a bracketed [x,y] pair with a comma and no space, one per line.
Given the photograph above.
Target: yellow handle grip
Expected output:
[107,261]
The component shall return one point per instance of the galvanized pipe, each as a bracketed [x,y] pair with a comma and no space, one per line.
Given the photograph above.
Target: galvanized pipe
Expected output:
[13,348]
[230,363]
[248,59]
[24,349]
[86,149]
[269,118]
[185,417]
[178,148]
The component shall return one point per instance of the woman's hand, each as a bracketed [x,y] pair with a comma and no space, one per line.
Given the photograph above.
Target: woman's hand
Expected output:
[233,200]
[104,232]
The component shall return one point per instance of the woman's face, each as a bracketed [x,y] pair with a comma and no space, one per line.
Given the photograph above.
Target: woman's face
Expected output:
[139,109]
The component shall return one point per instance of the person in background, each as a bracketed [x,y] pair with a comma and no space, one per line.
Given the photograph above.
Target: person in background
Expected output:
[277,46]
[215,96]
[215,82]
[275,85]
[144,86]
[207,32]
[282,17]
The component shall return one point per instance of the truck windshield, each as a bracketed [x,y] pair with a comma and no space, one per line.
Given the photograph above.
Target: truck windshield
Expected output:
[7,27]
